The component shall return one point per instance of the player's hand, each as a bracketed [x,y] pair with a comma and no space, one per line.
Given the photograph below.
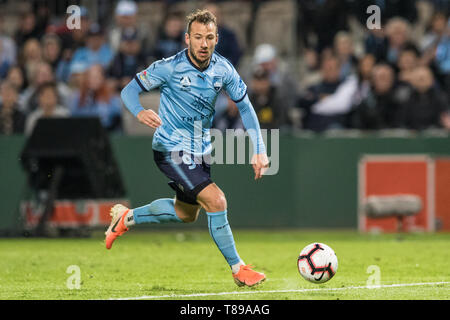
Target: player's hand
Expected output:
[149,118]
[260,163]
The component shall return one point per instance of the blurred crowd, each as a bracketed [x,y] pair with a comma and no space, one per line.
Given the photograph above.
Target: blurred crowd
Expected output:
[391,78]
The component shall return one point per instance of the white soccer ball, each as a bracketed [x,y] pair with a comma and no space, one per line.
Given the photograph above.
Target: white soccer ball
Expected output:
[317,263]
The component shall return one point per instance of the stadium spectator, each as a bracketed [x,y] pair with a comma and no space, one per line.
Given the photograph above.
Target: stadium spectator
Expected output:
[128,61]
[48,106]
[376,43]
[96,51]
[51,50]
[426,107]
[442,60]
[42,74]
[12,120]
[126,22]
[5,64]
[365,68]
[265,58]
[326,104]
[408,61]
[96,99]
[344,51]
[435,32]
[171,37]
[17,78]
[77,75]
[269,105]
[228,45]
[380,108]
[8,50]
[398,32]
[28,29]
[30,57]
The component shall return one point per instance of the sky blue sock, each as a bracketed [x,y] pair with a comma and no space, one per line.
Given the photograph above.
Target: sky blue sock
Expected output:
[220,231]
[159,211]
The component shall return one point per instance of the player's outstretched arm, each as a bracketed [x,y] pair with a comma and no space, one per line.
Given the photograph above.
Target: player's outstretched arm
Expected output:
[130,97]
[259,160]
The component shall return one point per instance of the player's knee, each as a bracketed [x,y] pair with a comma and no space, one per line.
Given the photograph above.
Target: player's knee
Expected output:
[217,204]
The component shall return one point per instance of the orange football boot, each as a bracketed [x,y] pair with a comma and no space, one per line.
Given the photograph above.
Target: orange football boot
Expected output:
[248,277]
[117,226]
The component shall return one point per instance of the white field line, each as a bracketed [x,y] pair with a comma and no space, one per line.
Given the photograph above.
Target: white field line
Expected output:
[181,296]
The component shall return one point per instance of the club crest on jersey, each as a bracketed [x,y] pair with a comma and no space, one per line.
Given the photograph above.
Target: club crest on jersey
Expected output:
[185,83]
[217,83]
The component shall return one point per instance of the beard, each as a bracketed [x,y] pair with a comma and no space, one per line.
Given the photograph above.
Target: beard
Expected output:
[197,59]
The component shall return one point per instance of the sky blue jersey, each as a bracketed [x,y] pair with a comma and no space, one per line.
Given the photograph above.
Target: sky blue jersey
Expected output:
[187,104]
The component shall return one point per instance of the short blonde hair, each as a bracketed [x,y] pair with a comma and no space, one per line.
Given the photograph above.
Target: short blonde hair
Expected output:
[201,16]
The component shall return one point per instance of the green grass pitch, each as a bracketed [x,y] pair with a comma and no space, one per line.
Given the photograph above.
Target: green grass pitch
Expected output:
[186,265]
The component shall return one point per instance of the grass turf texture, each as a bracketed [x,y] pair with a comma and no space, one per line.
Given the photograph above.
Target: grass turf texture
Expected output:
[155,263]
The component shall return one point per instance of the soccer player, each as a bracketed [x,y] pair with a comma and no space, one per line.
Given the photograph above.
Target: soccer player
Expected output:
[189,83]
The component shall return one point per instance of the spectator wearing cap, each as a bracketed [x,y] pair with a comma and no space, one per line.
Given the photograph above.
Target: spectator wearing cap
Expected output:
[228,46]
[126,23]
[265,58]
[76,75]
[171,37]
[269,105]
[12,120]
[128,61]
[48,106]
[97,51]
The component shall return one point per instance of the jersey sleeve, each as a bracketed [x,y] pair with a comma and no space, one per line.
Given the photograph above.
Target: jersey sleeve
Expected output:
[235,87]
[155,75]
